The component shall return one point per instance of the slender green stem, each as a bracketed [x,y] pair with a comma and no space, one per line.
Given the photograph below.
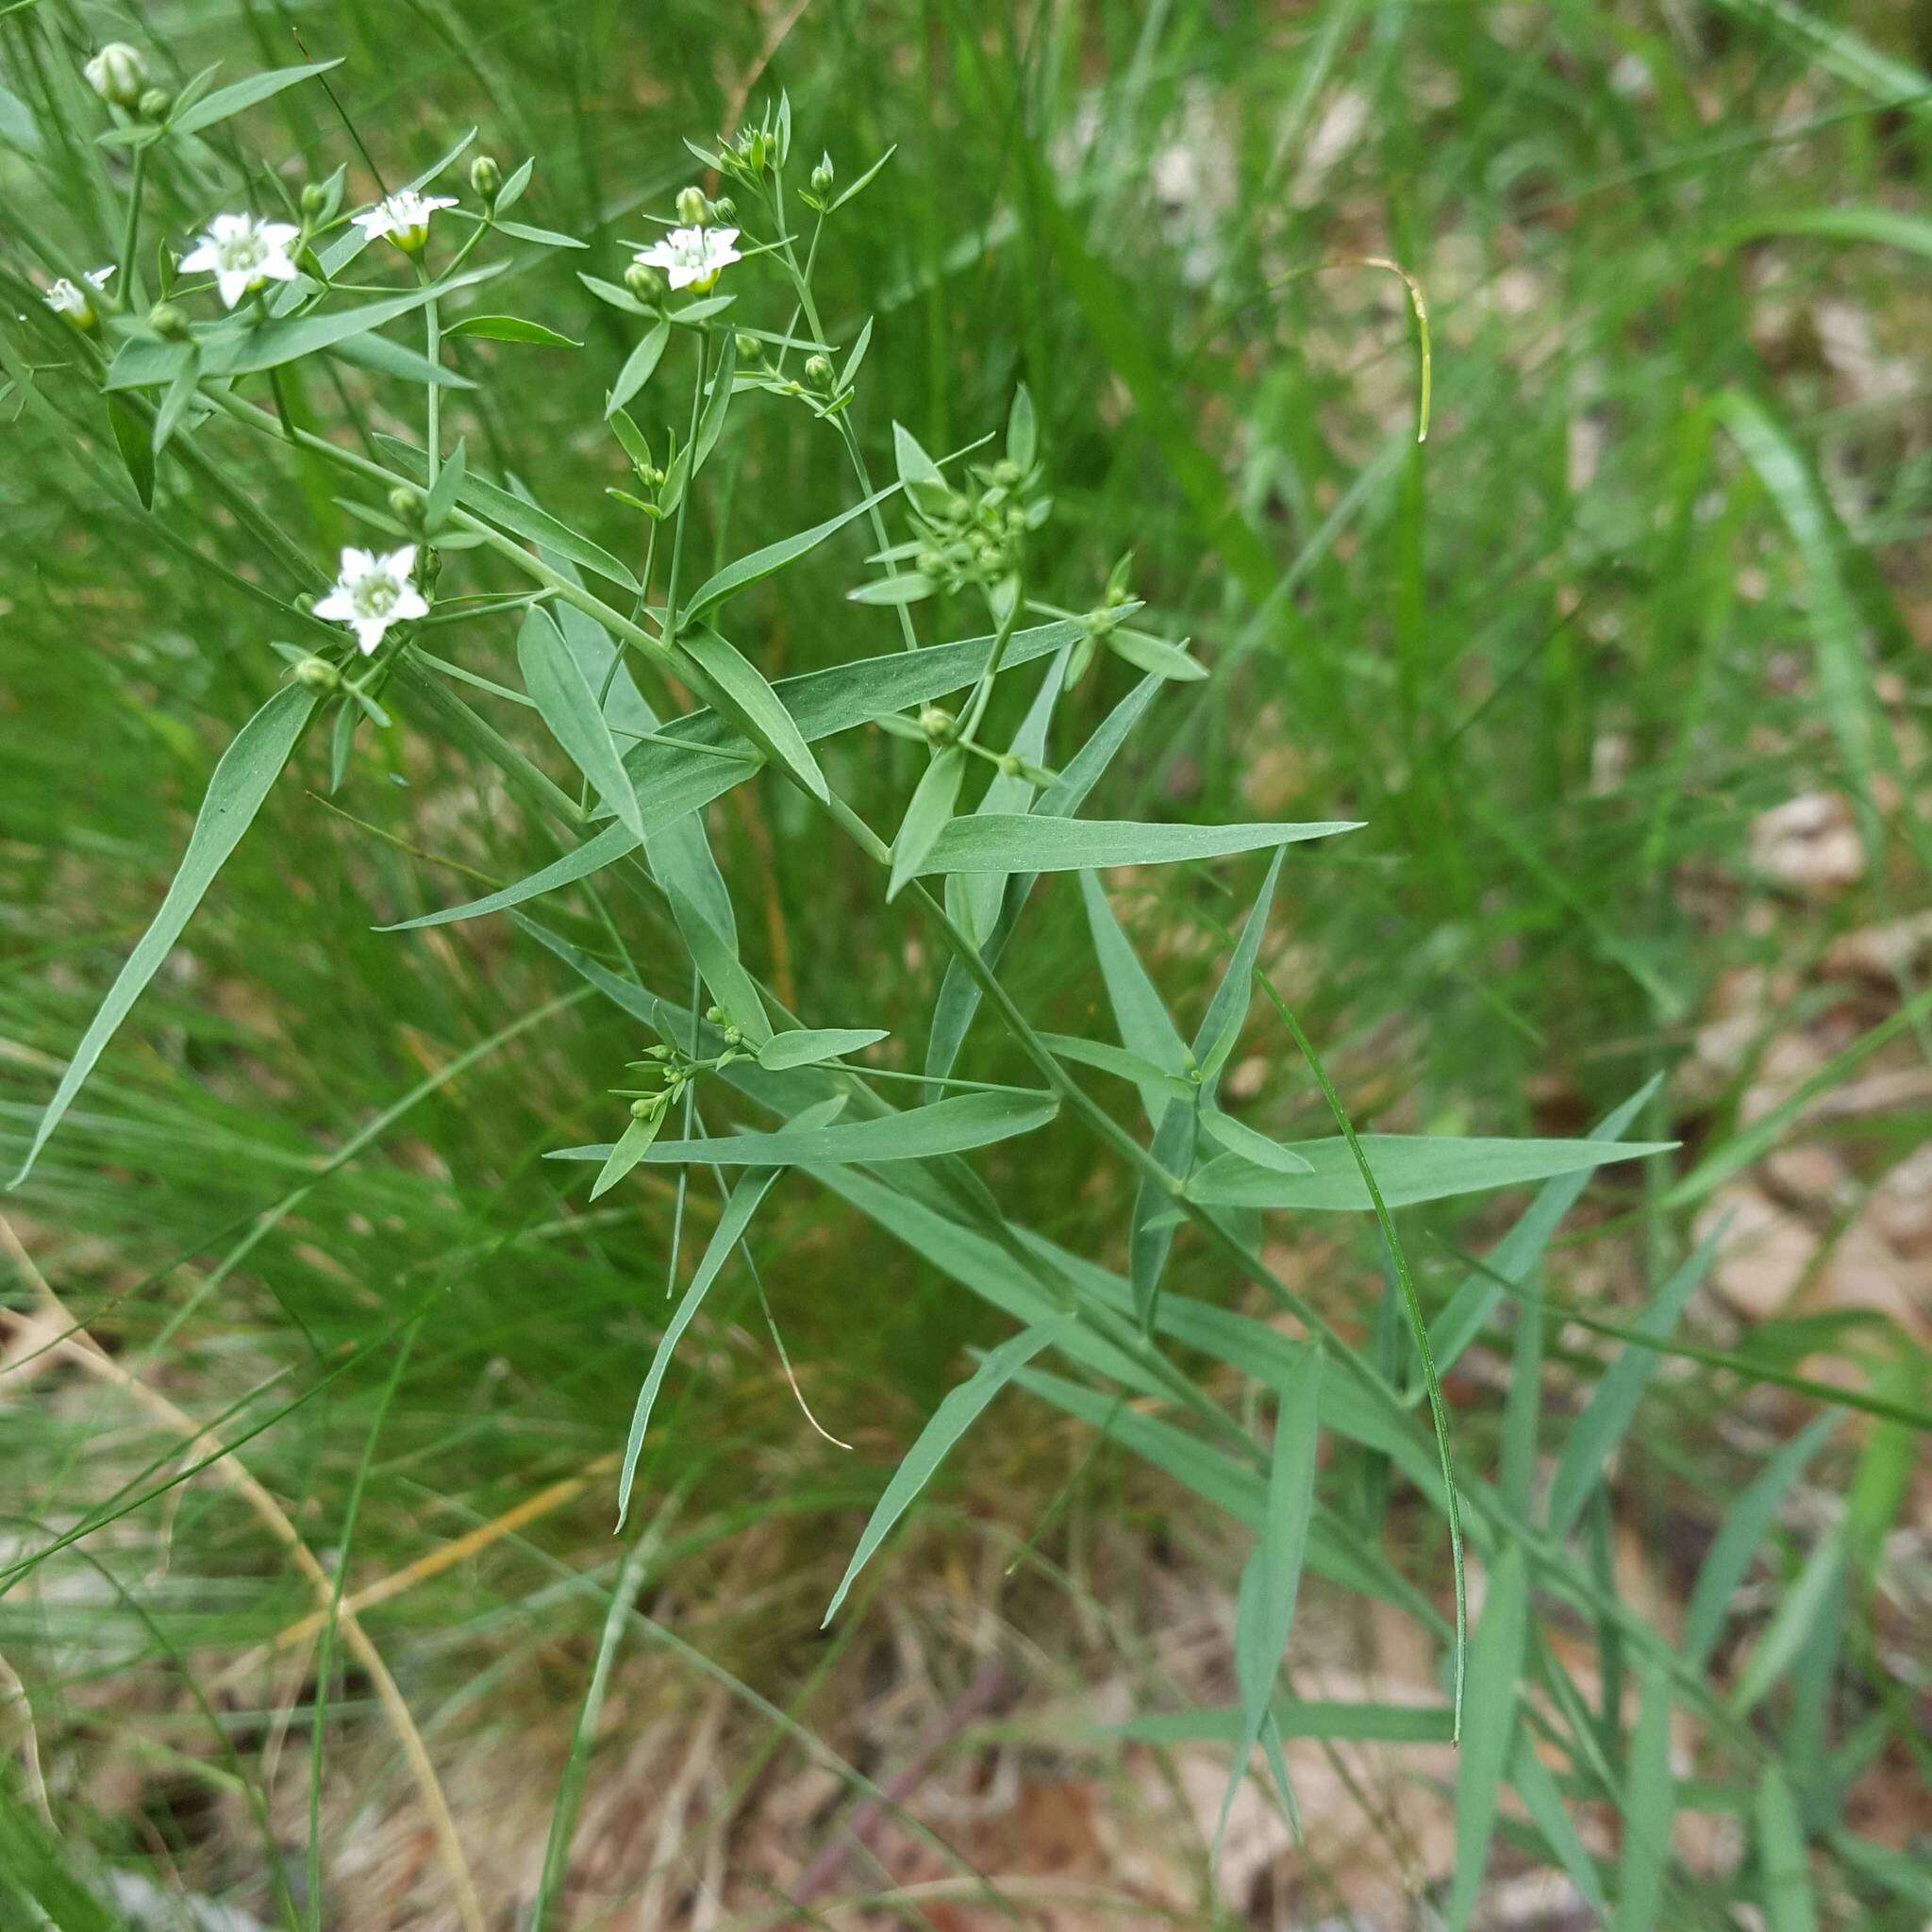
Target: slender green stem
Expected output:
[691,449]
[982,692]
[432,347]
[130,235]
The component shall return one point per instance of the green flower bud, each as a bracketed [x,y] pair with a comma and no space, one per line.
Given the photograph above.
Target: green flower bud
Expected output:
[406,505]
[318,673]
[714,1015]
[643,1109]
[168,323]
[1007,473]
[749,348]
[937,722]
[817,370]
[646,283]
[154,103]
[691,207]
[118,73]
[314,200]
[823,176]
[486,177]
[723,208]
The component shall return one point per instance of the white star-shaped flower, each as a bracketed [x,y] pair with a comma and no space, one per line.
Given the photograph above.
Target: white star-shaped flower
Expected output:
[243,253]
[63,298]
[403,218]
[693,258]
[372,592]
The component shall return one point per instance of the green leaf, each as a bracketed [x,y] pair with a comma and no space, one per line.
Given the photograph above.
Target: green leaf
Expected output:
[1784,1867]
[1248,1144]
[1544,1800]
[732,1223]
[712,420]
[1649,1805]
[1154,654]
[1117,1062]
[957,1413]
[921,478]
[1728,1561]
[545,237]
[927,813]
[638,367]
[449,480]
[946,1127]
[243,346]
[242,93]
[1336,1722]
[1265,1621]
[906,587]
[1495,1666]
[1408,1168]
[569,707]
[810,1048]
[632,1145]
[716,956]
[1022,430]
[241,780]
[757,710]
[1612,1406]
[1139,1010]
[760,564]
[511,329]
[613,842]
[132,437]
[1029,843]
[1888,226]
[500,506]
[1227,1013]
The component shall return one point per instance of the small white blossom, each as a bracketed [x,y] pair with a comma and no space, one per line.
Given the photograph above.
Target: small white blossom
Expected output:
[243,253]
[63,298]
[372,592]
[403,218]
[693,258]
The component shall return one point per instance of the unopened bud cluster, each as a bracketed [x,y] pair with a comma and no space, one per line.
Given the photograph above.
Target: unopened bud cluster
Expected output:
[977,536]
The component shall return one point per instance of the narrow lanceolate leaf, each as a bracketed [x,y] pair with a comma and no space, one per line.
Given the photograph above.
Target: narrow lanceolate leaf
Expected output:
[638,367]
[1220,1026]
[1784,1868]
[947,1126]
[811,1047]
[716,956]
[569,707]
[927,813]
[1151,1224]
[1138,1012]
[1407,1168]
[1029,843]
[241,780]
[1612,1405]
[1751,1516]
[1117,1062]
[1254,1147]
[511,329]
[613,842]
[775,557]
[1548,1812]
[631,1147]
[732,1223]
[1489,1730]
[1650,1801]
[132,437]
[238,347]
[230,100]
[1266,1616]
[505,508]
[955,1415]
[753,705]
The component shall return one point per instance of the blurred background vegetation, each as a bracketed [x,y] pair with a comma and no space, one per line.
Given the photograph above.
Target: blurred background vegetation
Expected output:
[1624,668]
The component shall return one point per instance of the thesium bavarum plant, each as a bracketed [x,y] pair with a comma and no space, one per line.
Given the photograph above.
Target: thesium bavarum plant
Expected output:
[304,326]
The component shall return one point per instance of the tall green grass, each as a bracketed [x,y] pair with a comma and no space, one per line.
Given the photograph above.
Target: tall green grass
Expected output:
[1646,578]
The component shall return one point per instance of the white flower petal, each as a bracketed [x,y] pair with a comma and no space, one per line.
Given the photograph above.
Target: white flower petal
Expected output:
[409,603]
[398,563]
[369,632]
[337,608]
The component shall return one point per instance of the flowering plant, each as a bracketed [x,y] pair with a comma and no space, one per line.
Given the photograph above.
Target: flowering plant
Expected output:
[643,701]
